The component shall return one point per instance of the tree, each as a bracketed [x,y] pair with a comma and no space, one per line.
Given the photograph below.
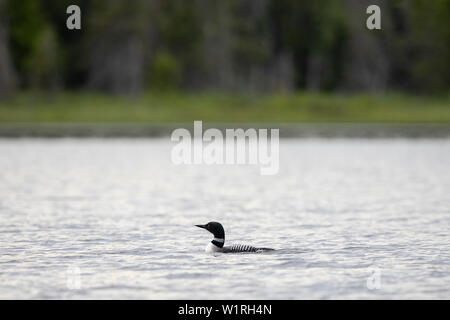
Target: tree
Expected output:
[116,44]
[7,74]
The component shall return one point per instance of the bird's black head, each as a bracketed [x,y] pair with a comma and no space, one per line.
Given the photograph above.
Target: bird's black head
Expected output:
[215,228]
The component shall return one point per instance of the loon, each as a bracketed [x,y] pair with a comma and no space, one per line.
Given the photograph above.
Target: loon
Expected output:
[217,244]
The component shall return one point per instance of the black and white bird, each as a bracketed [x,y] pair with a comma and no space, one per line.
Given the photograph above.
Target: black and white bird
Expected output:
[217,243]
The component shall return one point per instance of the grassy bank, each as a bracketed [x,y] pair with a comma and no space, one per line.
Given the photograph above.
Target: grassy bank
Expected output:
[151,108]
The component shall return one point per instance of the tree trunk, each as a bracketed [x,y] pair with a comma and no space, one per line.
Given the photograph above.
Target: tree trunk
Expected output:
[116,49]
[7,73]
[367,62]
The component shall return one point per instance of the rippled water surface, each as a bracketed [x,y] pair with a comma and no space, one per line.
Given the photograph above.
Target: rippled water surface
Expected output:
[350,218]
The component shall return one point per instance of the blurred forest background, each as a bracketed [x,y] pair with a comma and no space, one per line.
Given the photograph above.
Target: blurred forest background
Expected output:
[231,47]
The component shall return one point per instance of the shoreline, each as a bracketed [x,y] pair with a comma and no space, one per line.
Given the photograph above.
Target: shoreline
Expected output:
[287,130]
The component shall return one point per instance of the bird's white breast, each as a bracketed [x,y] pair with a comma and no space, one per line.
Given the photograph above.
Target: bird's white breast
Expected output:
[211,247]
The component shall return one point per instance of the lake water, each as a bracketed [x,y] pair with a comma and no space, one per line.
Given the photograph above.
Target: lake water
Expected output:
[114,218]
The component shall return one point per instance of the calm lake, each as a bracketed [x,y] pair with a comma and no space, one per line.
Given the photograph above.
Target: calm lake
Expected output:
[114,219]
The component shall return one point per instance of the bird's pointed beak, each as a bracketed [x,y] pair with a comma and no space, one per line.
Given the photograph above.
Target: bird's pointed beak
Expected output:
[201,226]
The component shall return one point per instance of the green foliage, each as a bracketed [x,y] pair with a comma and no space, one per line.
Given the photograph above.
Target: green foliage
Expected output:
[309,28]
[215,43]
[251,44]
[44,61]
[26,24]
[165,72]
[122,17]
[430,38]
[178,24]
